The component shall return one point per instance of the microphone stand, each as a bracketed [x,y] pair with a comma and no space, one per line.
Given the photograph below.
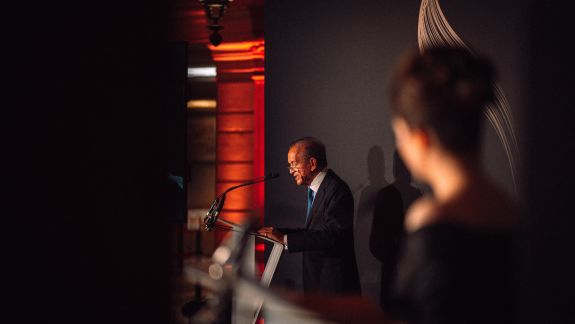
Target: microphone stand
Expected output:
[210,222]
[212,215]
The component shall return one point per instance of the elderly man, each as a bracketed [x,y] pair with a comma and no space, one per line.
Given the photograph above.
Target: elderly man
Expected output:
[326,241]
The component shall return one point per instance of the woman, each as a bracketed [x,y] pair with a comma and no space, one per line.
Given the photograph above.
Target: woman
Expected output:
[456,260]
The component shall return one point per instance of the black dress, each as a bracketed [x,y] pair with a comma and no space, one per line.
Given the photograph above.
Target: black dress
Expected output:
[450,273]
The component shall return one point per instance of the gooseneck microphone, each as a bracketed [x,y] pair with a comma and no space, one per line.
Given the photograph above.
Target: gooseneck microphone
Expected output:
[218,203]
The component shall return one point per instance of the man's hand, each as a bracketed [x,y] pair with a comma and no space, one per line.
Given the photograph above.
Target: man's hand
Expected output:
[271,233]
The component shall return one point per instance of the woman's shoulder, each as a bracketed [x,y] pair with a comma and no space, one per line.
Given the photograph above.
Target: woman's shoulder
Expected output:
[423,212]
[494,212]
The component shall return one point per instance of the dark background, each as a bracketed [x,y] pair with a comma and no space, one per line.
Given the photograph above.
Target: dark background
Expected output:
[85,104]
[85,150]
[327,68]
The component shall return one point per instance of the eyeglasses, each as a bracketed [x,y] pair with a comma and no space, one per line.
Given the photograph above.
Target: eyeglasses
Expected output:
[293,167]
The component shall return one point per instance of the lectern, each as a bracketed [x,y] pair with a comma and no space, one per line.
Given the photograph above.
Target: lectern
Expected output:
[234,255]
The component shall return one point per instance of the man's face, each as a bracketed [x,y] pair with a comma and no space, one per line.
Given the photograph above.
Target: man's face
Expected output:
[300,169]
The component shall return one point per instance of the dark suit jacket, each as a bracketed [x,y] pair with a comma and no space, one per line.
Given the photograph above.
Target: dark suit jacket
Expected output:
[327,240]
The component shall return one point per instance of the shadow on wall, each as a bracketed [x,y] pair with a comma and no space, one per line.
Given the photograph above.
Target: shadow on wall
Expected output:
[369,267]
[379,222]
[388,218]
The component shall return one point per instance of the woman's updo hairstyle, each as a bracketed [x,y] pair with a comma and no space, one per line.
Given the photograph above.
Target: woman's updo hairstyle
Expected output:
[444,89]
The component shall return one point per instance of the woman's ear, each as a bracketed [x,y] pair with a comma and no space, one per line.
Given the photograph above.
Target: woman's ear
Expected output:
[421,138]
[400,130]
[408,137]
[412,144]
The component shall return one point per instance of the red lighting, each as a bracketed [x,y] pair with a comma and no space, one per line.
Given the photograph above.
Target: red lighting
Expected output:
[240,129]
[239,51]
[260,247]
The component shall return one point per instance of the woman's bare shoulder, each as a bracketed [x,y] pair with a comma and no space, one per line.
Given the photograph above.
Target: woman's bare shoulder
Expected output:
[421,213]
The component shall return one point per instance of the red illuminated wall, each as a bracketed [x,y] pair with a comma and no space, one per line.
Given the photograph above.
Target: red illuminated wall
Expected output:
[240,130]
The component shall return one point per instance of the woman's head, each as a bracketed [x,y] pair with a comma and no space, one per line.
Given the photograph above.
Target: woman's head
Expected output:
[443,91]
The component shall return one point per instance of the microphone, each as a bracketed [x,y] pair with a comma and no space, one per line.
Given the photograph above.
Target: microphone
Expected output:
[218,203]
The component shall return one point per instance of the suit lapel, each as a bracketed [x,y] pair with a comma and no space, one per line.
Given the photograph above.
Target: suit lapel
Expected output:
[319,199]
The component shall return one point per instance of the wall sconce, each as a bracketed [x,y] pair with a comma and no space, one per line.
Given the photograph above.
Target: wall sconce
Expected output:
[215,10]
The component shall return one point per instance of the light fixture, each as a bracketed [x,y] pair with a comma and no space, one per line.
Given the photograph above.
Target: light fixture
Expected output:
[202,72]
[215,10]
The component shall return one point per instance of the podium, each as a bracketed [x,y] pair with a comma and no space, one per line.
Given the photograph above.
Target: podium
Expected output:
[248,295]
[240,296]
[269,270]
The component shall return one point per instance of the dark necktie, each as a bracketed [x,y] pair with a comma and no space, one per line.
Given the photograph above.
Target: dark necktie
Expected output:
[310,196]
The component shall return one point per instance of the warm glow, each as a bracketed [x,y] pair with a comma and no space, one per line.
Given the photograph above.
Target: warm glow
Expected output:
[201,104]
[238,51]
[248,70]
[234,217]
[260,247]
[240,130]
[237,46]
[195,13]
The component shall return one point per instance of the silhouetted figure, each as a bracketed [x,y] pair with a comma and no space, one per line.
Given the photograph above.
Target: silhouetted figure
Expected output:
[387,226]
[403,179]
[368,266]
